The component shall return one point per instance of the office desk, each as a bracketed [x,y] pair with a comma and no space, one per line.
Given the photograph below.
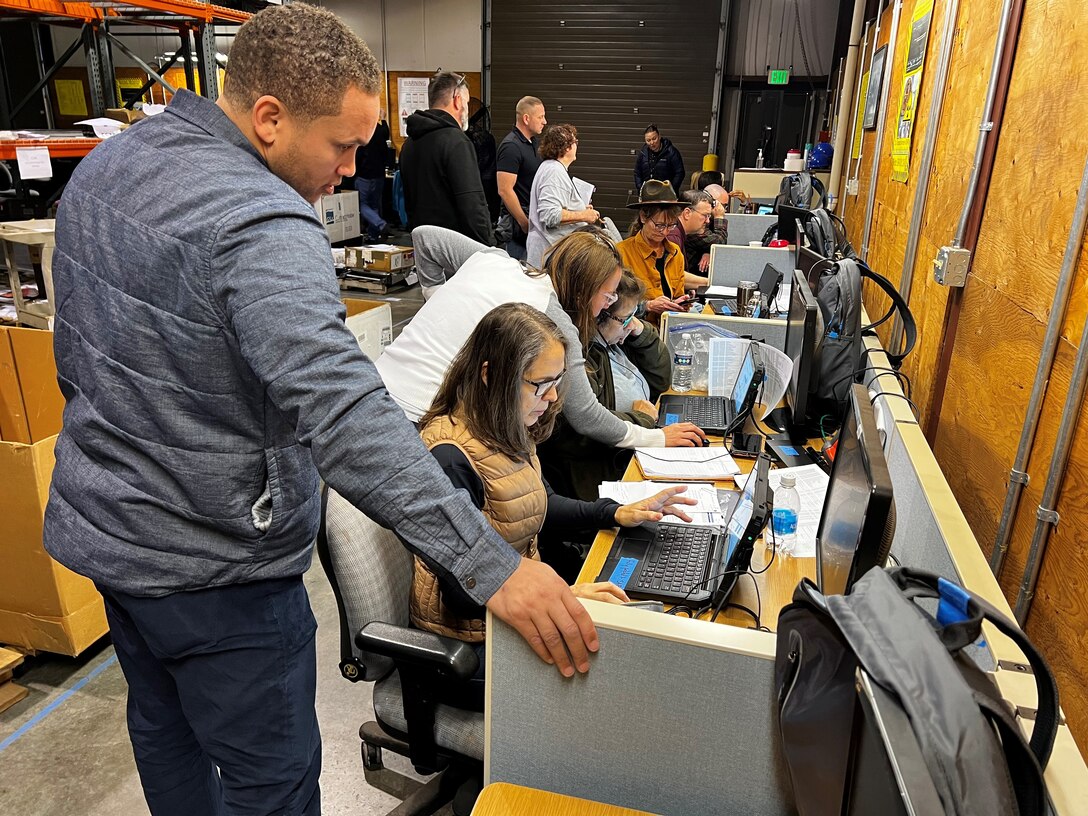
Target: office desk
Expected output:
[503,799]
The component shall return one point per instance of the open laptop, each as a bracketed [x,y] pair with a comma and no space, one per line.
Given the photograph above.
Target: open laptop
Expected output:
[691,564]
[769,282]
[717,415]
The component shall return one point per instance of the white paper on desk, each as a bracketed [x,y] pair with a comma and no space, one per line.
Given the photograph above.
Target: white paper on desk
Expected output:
[686,463]
[782,299]
[584,188]
[34,163]
[103,127]
[152,110]
[707,510]
[726,357]
[811,488]
[721,291]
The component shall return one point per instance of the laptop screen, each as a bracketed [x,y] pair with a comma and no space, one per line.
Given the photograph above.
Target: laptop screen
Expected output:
[738,522]
[744,381]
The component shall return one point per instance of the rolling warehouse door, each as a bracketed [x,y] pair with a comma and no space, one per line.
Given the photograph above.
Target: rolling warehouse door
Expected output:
[610,69]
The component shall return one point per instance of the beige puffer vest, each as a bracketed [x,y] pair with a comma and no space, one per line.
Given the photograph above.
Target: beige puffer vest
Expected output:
[515,502]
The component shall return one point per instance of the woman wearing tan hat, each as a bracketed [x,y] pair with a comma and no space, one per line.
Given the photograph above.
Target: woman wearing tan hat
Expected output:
[655,260]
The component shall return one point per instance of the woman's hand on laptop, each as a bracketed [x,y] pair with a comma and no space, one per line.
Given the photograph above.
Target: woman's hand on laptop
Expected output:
[603,591]
[668,502]
[683,435]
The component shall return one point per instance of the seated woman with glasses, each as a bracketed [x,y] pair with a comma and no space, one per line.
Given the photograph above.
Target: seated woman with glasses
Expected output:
[556,207]
[498,401]
[628,367]
[579,280]
[655,260]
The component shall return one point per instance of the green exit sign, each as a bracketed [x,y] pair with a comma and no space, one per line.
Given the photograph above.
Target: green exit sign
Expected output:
[779,77]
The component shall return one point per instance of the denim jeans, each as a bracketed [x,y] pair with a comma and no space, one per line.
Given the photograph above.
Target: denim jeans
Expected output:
[222,678]
[370,205]
[516,251]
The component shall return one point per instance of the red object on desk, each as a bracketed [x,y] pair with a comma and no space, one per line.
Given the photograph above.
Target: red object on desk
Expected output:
[779,242]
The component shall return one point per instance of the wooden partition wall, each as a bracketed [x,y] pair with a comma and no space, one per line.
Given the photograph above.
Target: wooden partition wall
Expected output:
[975,424]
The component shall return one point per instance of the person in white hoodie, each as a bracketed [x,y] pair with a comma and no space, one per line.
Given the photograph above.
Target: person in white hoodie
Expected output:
[579,280]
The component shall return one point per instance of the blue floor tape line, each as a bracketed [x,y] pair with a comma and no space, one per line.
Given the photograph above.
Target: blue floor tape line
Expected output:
[41,715]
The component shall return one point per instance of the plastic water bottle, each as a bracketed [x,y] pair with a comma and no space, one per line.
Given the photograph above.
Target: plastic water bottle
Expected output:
[700,366]
[787,509]
[682,360]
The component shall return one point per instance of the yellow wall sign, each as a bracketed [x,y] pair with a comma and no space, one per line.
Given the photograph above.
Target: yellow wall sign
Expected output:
[70,98]
[912,88]
[855,151]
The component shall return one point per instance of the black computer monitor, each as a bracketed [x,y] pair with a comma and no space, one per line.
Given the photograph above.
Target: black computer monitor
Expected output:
[746,524]
[811,263]
[791,223]
[800,345]
[851,537]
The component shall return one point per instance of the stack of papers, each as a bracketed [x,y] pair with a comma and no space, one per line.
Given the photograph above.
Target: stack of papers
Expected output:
[706,511]
[811,487]
[686,463]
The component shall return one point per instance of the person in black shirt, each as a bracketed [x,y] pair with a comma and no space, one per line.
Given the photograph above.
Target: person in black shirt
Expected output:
[371,160]
[517,165]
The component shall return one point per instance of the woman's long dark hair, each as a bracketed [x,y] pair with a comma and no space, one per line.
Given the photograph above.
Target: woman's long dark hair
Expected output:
[508,339]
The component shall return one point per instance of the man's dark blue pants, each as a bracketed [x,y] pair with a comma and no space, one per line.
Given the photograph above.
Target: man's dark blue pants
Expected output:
[221,698]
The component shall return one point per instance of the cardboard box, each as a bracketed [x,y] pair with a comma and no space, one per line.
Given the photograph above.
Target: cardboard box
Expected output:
[43,605]
[349,211]
[380,257]
[329,212]
[125,115]
[371,321]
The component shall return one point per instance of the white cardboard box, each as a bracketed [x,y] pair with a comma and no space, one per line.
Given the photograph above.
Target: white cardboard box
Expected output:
[329,212]
[371,322]
[349,210]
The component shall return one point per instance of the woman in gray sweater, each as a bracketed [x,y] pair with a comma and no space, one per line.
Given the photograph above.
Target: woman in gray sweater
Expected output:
[556,208]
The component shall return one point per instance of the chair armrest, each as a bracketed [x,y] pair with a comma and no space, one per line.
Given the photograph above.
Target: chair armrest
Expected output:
[415,647]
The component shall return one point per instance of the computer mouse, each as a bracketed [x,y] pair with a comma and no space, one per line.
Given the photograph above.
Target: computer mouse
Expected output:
[706,441]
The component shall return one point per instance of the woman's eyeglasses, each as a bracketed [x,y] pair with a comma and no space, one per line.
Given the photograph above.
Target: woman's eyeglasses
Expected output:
[542,387]
[662,227]
[623,321]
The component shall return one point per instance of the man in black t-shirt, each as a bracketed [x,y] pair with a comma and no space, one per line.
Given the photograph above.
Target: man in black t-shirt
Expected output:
[516,167]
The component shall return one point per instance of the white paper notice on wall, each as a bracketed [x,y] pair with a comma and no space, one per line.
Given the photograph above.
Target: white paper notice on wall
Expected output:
[34,163]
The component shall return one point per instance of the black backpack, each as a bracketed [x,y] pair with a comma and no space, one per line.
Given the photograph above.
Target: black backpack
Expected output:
[796,191]
[838,354]
[975,754]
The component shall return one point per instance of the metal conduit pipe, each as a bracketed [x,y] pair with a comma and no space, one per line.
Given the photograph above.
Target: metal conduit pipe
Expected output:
[986,125]
[854,125]
[885,92]
[1046,516]
[933,121]
[1018,476]
[853,53]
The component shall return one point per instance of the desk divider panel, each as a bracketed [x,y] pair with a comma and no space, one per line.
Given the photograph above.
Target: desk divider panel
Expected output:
[744,228]
[771,331]
[731,264]
[675,717]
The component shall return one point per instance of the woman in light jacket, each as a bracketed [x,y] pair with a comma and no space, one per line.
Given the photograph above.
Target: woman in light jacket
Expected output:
[556,208]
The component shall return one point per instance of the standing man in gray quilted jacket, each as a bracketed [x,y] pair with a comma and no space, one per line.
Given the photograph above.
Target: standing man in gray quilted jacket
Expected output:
[209,382]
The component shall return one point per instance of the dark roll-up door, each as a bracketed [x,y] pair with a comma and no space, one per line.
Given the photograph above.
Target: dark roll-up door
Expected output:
[610,69]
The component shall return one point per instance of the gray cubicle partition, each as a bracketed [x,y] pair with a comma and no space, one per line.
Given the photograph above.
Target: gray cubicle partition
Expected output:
[771,331]
[731,264]
[674,717]
[746,228]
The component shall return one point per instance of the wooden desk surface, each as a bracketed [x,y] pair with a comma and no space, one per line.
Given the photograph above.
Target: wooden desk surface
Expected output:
[776,585]
[504,799]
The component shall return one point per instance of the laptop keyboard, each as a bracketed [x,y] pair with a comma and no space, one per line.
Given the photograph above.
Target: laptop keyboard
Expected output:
[706,412]
[676,559]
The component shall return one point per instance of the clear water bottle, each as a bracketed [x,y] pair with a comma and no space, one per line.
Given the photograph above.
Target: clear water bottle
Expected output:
[700,365]
[682,359]
[787,509]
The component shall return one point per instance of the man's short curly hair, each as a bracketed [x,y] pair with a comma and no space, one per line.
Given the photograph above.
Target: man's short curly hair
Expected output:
[304,56]
[557,140]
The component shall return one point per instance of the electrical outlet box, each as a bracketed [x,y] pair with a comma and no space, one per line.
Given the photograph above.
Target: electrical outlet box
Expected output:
[852,186]
[950,266]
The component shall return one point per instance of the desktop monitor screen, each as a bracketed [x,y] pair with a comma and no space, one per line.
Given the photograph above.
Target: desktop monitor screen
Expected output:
[850,539]
[800,345]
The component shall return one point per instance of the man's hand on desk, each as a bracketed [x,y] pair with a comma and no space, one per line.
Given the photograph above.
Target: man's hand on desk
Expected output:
[683,435]
[665,503]
[645,407]
[543,610]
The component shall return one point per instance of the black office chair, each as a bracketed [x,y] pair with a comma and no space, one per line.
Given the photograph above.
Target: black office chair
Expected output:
[413,671]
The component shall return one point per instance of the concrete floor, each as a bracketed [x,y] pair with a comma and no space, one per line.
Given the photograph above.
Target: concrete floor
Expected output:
[65,749]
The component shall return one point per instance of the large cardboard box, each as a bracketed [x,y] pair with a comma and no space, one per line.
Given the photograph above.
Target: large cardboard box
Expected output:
[371,321]
[329,211]
[43,605]
[349,211]
[379,257]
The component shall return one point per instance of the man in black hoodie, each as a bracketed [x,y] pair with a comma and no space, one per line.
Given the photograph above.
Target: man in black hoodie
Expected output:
[658,159]
[438,168]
